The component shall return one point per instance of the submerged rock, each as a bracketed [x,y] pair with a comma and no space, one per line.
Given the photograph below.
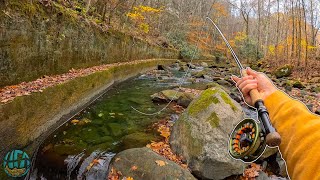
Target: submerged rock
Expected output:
[138,139]
[201,134]
[166,96]
[145,162]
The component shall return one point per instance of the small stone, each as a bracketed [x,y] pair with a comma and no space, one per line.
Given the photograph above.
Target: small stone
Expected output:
[191,66]
[204,64]
[298,84]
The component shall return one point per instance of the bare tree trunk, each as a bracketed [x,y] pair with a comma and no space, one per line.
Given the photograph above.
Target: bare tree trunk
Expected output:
[305,31]
[278,24]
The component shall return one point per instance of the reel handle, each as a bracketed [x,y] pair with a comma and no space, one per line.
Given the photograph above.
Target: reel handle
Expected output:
[273,138]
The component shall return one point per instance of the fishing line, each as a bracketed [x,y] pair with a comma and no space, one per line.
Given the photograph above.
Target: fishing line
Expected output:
[180,84]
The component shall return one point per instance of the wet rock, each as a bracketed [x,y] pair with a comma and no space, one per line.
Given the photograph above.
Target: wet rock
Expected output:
[192,80]
[200,74]
[185,99]
[236,96]
[183,68]
[161,67]
[191,66]
[97,172]
[310,107]
[262,176]
[172,94]
[216,78]
[204,64]
[138,139]
[283,71]
[223,82]
[207,77]
[298,84]
[317,111]
[282,166]
[144,160]
[200,135]
[174,117]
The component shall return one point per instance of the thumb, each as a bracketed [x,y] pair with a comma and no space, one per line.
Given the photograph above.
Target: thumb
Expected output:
[251,72]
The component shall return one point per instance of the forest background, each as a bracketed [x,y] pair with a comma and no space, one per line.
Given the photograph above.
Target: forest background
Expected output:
[268,33]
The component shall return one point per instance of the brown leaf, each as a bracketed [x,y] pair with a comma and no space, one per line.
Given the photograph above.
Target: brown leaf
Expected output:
[133,168]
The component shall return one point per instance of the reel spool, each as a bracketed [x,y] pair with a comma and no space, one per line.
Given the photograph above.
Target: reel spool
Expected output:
[247,141]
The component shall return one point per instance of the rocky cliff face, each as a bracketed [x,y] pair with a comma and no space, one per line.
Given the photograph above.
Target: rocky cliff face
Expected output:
[36,40]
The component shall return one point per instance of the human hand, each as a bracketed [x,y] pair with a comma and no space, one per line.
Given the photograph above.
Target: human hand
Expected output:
[254,80]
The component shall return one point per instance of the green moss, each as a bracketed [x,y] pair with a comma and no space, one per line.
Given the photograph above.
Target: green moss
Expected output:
[227,100]
[206,98]
[195,145]
[26,7]
[213,120]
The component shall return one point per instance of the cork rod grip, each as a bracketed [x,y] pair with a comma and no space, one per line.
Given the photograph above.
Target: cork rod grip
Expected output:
[254,93]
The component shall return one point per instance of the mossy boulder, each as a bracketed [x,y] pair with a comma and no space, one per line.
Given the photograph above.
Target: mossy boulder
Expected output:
[144,160]
[283,71]
[201,134]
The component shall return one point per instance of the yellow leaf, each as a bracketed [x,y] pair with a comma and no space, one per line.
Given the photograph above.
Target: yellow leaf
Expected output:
[75,121]
[161,163]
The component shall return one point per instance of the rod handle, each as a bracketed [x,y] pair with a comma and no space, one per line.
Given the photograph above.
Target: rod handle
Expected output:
[254,93]
[273,139]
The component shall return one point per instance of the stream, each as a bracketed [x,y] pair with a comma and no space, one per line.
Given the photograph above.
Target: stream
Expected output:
[83,147]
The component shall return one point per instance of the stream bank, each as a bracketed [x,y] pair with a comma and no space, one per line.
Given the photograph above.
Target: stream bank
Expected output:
[26,118]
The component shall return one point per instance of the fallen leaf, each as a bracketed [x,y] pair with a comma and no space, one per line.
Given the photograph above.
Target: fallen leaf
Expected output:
[133,168]
[75,121]
[127,178]
[117,159]
[161,163]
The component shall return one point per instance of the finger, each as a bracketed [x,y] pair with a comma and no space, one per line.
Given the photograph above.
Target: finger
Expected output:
[246,89]
[244,79]
[249,81]
[235,78]
[251,72]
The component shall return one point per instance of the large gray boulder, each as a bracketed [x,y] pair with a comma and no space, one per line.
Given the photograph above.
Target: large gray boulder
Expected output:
[143,163]
[201,134]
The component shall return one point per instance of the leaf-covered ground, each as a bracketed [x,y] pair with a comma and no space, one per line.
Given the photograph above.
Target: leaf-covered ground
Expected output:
[8,93]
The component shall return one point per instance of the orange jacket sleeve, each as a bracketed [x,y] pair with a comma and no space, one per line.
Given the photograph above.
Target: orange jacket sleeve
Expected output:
[300,133]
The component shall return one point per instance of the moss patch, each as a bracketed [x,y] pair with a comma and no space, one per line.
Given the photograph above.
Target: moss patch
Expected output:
[195,145]
[213,120]
[227,100]
[206,98]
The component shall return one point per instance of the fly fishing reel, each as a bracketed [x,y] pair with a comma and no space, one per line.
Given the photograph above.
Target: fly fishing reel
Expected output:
[247,141]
